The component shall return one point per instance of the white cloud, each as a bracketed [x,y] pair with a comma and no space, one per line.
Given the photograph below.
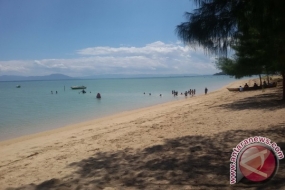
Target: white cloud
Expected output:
[154,58]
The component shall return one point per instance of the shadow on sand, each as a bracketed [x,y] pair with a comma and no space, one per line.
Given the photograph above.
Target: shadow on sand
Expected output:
[191,161]
[269,100]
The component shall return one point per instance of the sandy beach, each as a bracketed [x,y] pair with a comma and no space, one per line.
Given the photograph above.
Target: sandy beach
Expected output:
[184,144]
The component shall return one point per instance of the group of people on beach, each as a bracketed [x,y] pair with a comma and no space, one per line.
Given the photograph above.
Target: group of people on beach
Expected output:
[246,86]
[190,92]
[175,93]
[264,84]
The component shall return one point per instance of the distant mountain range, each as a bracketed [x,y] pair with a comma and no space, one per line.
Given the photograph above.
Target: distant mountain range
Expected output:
[23,78]
[65,77]
[137,76]
[220,73]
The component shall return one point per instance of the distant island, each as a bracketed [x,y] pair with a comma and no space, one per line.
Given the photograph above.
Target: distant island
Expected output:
[137,76]
[99,76]
[29,78]
[220,73]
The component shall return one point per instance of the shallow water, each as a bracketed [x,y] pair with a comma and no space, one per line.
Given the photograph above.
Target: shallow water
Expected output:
[32,108]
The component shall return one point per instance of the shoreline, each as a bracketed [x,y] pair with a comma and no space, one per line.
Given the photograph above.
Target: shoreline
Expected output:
[82,124]
[139,143]
[100,119]
[21,119]
[93,121]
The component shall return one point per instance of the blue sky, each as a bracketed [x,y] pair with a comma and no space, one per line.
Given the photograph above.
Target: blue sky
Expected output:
[81,38]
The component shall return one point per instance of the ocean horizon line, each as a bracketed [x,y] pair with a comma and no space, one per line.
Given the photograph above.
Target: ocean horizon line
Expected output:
[104,77]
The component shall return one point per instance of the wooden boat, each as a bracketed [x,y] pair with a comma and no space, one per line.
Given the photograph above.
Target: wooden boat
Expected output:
[77,87]
[253,88]
[233,89]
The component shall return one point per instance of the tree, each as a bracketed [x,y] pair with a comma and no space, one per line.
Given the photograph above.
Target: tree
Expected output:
[255,29]
[252,58]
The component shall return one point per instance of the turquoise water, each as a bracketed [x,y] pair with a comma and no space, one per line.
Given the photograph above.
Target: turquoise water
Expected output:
[32,108]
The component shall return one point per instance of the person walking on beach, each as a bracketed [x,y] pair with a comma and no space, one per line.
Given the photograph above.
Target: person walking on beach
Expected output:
[206,90]
[194,91]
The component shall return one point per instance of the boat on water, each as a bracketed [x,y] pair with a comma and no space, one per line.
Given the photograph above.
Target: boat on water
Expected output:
[78,87]
[253,88]
[18,86]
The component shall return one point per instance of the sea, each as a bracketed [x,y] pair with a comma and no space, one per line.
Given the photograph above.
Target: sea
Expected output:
[33,108]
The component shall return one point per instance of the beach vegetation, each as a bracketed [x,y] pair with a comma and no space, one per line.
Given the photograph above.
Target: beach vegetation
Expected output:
[254,30]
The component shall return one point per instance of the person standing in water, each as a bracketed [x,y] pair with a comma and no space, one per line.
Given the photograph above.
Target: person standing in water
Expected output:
[206,90]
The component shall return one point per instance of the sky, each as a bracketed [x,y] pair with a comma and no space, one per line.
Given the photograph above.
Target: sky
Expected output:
[94,37]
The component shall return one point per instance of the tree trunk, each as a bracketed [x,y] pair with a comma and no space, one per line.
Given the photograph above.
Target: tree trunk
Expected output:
[267,75]
[283,76]
[260,80]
